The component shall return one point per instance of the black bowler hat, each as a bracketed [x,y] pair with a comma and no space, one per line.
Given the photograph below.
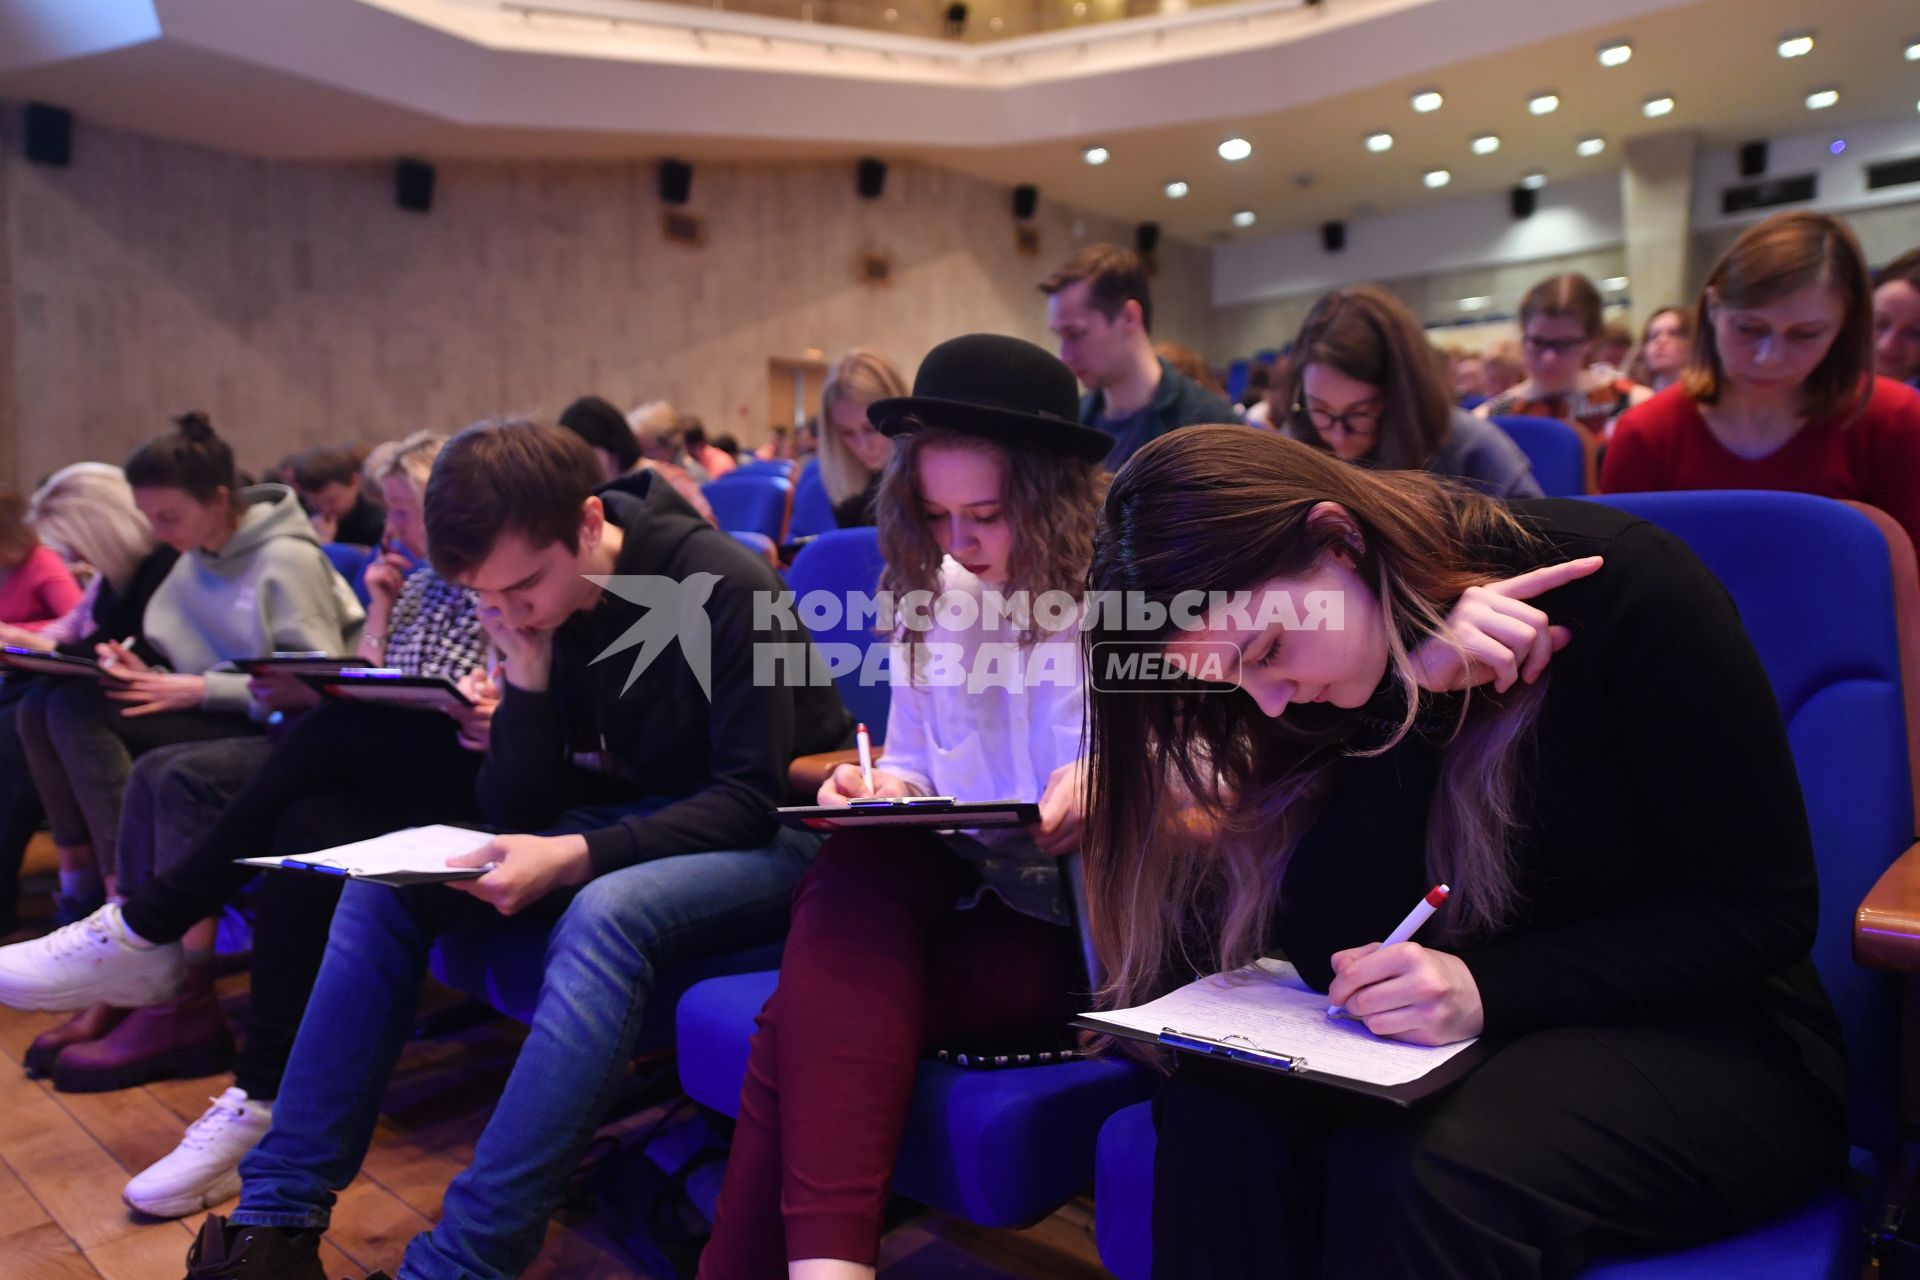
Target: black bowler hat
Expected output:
[999,388]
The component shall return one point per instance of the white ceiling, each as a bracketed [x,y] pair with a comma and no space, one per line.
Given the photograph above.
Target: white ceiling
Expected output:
[451,79]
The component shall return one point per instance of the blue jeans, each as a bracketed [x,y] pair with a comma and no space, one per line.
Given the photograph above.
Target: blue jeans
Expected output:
[611,941]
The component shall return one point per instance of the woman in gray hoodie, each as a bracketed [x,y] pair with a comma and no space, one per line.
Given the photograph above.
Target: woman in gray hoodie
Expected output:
[252,579]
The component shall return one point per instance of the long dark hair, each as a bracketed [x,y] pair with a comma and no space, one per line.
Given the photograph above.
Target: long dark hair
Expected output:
[1369,335]
[1226,509]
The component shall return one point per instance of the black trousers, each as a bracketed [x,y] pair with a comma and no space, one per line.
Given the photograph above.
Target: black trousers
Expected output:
[344,772]
[20,811]
[1568,1146]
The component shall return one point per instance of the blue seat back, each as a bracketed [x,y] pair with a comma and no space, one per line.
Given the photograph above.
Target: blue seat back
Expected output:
[841,562]
[812,508]
[1554,449]
[765,467]
[749,503]
[1813,581]
[350,561]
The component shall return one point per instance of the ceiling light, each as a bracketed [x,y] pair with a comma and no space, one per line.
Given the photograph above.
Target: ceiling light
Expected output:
[1616,54]
[1534,181]
[1435,178]
[1476,304]
[1235,149]
[1378,142]
[1486,144]
[1913,51]
[1821,99]
[1614,284]
[1590,146]
[1427,100]
[1096,155]
[1176,190]
[1543,103]
[1657,107]
[1796,46]
[1837,146]
[1244,218]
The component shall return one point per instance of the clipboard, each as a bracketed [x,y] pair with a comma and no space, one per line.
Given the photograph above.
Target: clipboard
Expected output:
[398,859]
[59,665]
[930,813]
[299,664]
[1295,1060]
[389,687]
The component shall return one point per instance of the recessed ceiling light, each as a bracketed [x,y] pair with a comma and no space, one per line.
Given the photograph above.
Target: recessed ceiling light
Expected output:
[1590,146]
[1798,45]
[1176,190]
[1377,142]
[1614,284]
[1235,149]
[1427,100]
[1615,54]
[1436,178]
[1660,106]
[1486,144]
[1913,51]
[1821,99]
[1480,303]
[1543,103]
[1244,218]
[1534,181]
[1837,146]
[1096,155]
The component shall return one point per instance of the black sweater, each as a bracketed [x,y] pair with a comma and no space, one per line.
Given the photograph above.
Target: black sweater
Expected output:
[715,769]
[1666,862]
[118,614]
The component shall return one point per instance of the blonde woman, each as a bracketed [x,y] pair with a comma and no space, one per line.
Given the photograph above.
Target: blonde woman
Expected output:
[853,453]
[1634,892]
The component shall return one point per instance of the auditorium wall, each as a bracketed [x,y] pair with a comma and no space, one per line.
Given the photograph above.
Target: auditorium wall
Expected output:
[296,304]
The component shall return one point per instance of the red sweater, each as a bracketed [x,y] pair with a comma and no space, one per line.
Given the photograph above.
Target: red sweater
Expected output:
[1875,458]
[39,592]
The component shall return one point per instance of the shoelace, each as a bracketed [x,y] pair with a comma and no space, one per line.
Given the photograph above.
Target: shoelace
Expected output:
[81,935]
[214,1119]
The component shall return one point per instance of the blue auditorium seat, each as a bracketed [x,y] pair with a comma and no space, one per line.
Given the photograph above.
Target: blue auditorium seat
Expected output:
[1556,450]
[812,508]
[1841,692]
[841,562]
[765,467]
[752,503]
[350,561]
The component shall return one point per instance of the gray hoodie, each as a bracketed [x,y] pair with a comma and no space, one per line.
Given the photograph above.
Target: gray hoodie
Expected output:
[269,589]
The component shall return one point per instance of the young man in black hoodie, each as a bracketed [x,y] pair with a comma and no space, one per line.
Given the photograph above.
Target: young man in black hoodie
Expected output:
[650,760]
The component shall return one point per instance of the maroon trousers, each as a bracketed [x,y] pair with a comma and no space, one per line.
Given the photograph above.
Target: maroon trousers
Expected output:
[878,967]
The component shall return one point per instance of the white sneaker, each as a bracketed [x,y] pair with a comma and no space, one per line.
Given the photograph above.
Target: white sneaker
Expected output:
[205,1168]
[95,960]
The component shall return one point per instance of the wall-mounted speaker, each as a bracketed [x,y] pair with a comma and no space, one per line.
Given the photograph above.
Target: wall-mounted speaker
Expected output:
[1146,237]
[1025,200]
[413,185]
[1522,201]
[49,134]
[1333,236]
[1753,158]
[676,182]
[871,178]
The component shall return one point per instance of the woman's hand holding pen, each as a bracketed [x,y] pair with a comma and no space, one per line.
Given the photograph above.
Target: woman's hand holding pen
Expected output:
[149,693]
[119,659]
[846,784]
[1492,635]
[1408,992]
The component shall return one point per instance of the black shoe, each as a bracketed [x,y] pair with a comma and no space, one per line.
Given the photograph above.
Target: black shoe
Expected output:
[224,1251]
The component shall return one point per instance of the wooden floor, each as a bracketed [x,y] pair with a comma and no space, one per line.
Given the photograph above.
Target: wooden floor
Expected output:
[64,1158]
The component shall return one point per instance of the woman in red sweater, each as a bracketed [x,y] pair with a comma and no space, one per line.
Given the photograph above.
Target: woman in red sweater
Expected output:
[36,588]
[1780,393]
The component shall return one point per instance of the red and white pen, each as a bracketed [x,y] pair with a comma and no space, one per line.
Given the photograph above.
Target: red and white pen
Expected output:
[1422,911]
[865,744]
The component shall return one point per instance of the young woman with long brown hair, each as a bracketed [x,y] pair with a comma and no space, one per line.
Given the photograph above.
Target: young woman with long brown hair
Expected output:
[900,938]
[1367,385]
[1634,892]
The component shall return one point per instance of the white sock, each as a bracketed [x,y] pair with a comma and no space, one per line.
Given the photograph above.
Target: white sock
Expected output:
[82,884]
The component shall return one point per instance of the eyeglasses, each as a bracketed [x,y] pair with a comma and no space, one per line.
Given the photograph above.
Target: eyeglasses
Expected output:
[1359,423]
[1555,346]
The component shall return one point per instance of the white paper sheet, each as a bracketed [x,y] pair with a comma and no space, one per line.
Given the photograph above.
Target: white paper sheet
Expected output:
[416,850]
[1268,1007]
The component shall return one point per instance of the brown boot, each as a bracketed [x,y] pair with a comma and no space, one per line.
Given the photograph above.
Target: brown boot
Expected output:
[185,1037]
[89,1024]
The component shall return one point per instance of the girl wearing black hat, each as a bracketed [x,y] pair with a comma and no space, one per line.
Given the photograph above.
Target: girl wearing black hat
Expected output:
[901,939]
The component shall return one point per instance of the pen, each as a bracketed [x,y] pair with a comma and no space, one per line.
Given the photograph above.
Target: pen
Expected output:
[1422,910]
[865,744]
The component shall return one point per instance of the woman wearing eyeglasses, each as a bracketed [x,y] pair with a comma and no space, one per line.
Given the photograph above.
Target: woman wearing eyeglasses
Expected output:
[1368,387]
[1559,324]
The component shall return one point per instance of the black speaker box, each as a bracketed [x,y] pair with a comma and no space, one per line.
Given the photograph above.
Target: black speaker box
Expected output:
[1025,200]
[413,185]
[871,178]
[676,181]
[1146,237]
[49,134]
[1333,236]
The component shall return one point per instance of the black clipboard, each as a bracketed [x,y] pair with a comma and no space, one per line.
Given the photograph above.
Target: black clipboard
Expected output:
[300,664]
[385,686]
[49,663]
[926,813]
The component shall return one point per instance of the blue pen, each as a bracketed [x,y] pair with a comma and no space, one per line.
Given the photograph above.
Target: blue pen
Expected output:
[295,864]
